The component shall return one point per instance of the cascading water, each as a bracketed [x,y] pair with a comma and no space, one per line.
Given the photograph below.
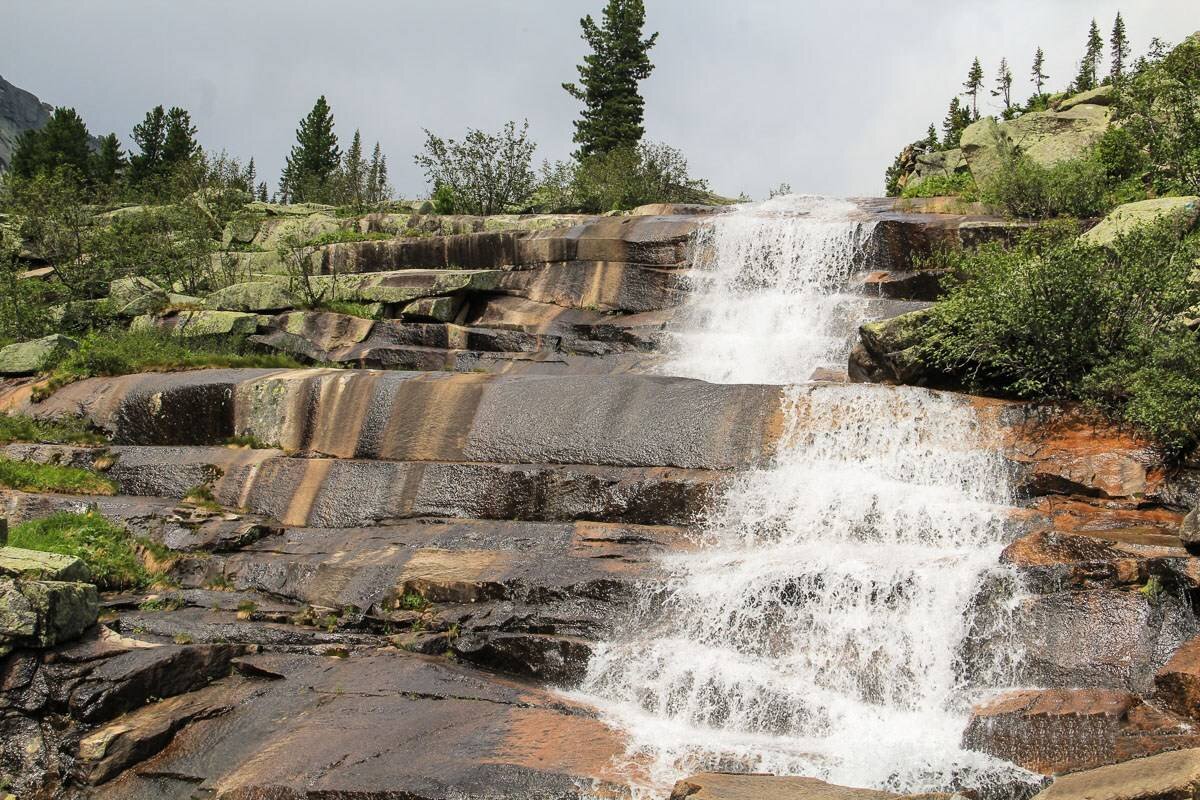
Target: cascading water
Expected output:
[820,626]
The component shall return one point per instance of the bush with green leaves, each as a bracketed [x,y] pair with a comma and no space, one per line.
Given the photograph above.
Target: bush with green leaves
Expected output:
[1052,318]
[958,184]
[1160,109]
[1023,188]
[484,173]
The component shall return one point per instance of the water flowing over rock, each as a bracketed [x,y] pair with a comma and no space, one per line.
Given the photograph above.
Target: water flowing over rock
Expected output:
[820,628]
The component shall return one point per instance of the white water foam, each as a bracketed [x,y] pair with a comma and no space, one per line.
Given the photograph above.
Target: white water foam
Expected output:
[822,626]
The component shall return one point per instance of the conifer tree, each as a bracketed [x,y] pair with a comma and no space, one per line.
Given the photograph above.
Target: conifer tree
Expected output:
[613,108]
[1119,50]
[179,142]
[972,85]
[1004,82]
[250,177]
[108,161]
[62,143]
[957,119]
[1090,65]
[931,137]
[262,192]
[354,172]
[314,159]
[378,189]
[1039,78]
[149,135]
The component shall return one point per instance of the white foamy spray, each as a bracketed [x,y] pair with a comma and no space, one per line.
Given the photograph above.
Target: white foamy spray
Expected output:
[822,626]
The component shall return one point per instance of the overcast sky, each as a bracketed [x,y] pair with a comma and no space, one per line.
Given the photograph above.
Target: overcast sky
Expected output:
[755,92]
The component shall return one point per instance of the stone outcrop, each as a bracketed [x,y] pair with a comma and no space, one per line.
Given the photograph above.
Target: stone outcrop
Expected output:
[1180,212]
[27,358]
[44,599]
[1168,776]
[1046,137]
[729,786]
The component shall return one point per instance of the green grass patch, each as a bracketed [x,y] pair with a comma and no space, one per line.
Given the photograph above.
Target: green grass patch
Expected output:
[344,235]
[29,477]
[122,352]
[363,310]
[109,551]
[959,184]
[22,428]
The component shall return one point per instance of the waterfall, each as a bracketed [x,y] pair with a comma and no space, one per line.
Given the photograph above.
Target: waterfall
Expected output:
[824,623]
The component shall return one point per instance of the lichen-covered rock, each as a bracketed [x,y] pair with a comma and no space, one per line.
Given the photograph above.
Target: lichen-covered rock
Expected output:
[241,229]
[133,296]
[1046,137]
[17,562]
[1183,212]
[438,309]
[254,296]
[44,613]
[200,323]
[893,346]
[27,358]
[1100,96]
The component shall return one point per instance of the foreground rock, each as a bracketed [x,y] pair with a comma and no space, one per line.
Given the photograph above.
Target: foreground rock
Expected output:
[44,599]
[27,358]
[1179,212]
[729,786]
[1169,776]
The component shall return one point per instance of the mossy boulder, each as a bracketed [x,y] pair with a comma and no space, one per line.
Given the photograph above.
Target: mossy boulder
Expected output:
[437,309]
[17,562]
[1183,212]
[79,315]
[253,296]
[241,229]
[201,323]
[136,295]
[28,358]
[1046,137]
[36,613]
[1100,96]
[892,347]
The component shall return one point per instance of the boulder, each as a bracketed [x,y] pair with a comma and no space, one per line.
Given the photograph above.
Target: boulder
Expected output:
[729,786]
[437,309]
[1167,776]
[1177,684]
[259,297]
[1100,96]
[17,562]
[27,358]
[893,346]
[44,613]
[241,230]
[1181,211]
[1189,528]
[79,315]
[134,296]
[200,323]
[1046,137]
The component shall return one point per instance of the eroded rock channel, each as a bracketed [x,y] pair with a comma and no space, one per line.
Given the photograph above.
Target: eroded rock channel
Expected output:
[589,510]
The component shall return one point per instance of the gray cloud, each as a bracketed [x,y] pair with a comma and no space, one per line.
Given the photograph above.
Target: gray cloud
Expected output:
[819,94]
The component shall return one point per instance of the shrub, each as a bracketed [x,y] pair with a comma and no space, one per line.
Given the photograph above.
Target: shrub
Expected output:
[959,184]
[1024,188]
[487,173]
[619,180]
[110,553]
[1054,319]
[1159,108]
[1120,154]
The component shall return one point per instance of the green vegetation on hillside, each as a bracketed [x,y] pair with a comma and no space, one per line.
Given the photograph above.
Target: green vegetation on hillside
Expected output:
[110,553]
[22,428]
[28,476]
[1054,318]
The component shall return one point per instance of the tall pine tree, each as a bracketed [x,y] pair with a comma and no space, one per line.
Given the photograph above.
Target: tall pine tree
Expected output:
[314,159]
[957,120]
[1119,50]
[179,143]
[378,189]
[613,109]
[1090,65]
[108,162]
[972,86]
[354,173]
[1039,77]
[1004,82]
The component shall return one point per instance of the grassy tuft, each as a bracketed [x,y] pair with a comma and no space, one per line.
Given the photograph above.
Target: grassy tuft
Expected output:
[30,477]
[21,428]
[109,551]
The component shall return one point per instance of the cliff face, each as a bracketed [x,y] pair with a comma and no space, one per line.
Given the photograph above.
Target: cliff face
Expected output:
[20,111]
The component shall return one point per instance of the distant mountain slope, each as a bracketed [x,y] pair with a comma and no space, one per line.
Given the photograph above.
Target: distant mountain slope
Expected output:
[19,111]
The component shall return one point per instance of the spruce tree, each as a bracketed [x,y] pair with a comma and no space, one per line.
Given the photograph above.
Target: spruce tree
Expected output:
[1090,65]
[108,162]
[354,172]
[149,135]
[262,192]
[1039,77]
[613,109]
[179,143]
[1119,50]
[931,137]
[250,177]
[972,85]
[377,185]
[60,144]
[957,119]
[1004,81]
[314,159]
